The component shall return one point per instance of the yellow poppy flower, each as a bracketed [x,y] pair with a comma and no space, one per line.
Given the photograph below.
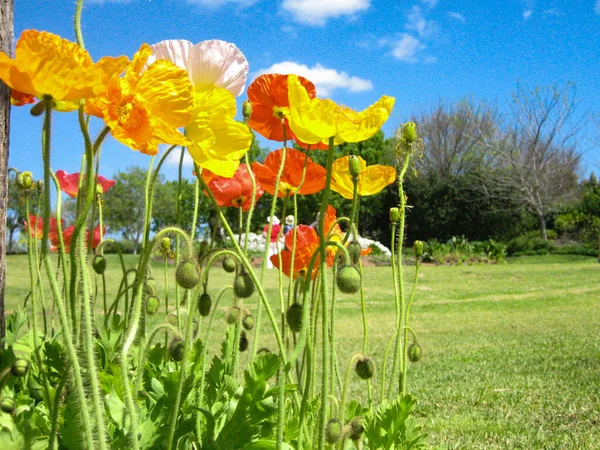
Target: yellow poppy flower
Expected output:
[314,120]
[218,142]
[47,65]
[371,180]
[145,107]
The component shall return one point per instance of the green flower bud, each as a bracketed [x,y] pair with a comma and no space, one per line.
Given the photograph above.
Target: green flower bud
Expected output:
[333,431]
[354,166]
[204,304]
[176,349]
[348,279]
[40,185]
[246,109]
[394,215]
[99,264]
[152,304]
[409,132]
[36,391]
[228,264]
[20,367]
[150,287]
[187,275]
[38,109]
[203,249]
[243,286]
[248,322]
[293,317]
[419,248]
[165,246]
[99,190]
[243,341]
[232,315]
[356,428]
[24,180]
[415,352]
[8,405]
[365,368]
[354,250]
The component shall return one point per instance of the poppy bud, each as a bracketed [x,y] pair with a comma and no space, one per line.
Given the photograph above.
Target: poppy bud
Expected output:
[418,248]
[24,180]
[187,275]
[204,304]
[165,245]
[354,166]
[202,249]
[152,305]
[333,431]
[40,185]
[99,264]
[355,251]
[394,215]
[7,404]
[37,109]
[243,286]
[176,349]
[415,352]
[409,132]
[150,286]
[35,390]
[248,322]
[365,368]
[228,264]
[348,279]
[356,428]
[232,315]
[246,109]
[293,317]
[99,190]
[20,367]
[243,341]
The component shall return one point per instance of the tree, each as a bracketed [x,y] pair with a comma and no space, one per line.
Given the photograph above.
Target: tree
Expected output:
[538,151]
[164,210]
[124,205]
[15,213]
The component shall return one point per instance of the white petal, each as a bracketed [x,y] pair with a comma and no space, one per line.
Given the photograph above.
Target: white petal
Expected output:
[218,63]
[175,50]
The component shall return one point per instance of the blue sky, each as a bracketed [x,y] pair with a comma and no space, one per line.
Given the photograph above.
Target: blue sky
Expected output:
[418,51]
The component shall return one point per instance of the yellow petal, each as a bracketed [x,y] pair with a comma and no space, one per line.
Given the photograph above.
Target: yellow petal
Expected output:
[356,127]
[341,180]
[375,178]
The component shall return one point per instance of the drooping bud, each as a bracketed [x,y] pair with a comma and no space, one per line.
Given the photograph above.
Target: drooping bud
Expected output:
[176,349]
[354,166]
[348,279]
[228,264]
[38,109]
[415,352]
[248,322]
[40,185]
[365,368]
[24,180]
[356,428]
[187,275]
[165,246]
[246,109]
[7,405]
[243,341]
[355,251]
[394,215]
[152,304]
[293,317]
[409,132]
[204,304]
[20,367]
[333,431]
[243,286]
[419,248]
[232,315]
[99,264]
[150,287]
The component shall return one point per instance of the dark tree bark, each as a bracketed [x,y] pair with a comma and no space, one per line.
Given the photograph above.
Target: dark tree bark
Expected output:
[6,44]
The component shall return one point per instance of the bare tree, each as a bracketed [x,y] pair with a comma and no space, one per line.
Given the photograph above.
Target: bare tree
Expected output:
[454,138]
[538,153]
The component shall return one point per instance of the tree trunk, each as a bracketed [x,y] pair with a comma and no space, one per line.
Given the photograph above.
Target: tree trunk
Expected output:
[542,222]
[6,44]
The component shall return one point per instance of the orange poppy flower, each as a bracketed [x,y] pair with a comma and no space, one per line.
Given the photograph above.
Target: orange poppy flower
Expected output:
[69,183]
[266,173]
[47,65]
[67,235]
[145,107]
[37,227]
[236,191]
[268,95]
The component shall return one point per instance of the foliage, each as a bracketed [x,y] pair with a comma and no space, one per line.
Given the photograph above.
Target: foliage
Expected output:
[459,250]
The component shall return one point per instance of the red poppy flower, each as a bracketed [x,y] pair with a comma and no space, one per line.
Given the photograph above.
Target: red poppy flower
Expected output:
[236,191]
[37,226]
[69,184]
[68,238]
[266,173]
[268,95]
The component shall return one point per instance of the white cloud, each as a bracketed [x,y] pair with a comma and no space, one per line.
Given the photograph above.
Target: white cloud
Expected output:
[597,7]
[527,13]
[316,12]
[290,31]
[418,23]
[218,3]
[430,3]
[326,80]
[406,48]
[458,16]
[175,155]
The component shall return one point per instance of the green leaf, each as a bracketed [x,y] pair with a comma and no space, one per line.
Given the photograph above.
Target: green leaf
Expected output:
[115,407]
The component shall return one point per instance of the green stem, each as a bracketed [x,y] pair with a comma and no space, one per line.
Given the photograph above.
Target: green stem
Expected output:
[78,34]
[407,328]
[252,204]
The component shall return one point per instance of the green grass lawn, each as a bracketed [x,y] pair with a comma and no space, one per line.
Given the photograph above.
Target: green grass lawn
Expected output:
[511,352]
